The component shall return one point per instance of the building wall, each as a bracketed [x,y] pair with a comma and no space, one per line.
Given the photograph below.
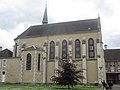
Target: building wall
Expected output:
[34,76]
[3,68]
[27,75]
[50,71]
[12,70]
[92,71]
[39,41]
[0,70]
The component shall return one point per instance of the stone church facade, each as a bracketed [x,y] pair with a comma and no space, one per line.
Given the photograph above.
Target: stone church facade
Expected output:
[38,51]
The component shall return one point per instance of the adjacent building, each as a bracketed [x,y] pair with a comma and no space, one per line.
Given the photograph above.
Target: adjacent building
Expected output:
[4,55]
[112,61]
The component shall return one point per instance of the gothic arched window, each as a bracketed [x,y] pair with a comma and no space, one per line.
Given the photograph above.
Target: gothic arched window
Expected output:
[77,49]
[91,48]
[38,62]
[52,50]
[28,62]
[64,49]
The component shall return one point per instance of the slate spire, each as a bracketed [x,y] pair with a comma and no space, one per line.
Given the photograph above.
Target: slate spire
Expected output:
[45,17]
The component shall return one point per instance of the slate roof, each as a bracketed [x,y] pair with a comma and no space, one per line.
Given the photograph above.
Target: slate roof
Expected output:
[31,48]
[6,53]
[88,25]
[112,54]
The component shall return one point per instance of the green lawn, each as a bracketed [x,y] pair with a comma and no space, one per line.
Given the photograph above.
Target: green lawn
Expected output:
[44,87]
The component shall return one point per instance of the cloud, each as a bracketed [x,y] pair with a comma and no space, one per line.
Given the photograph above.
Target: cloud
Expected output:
[114,41]
[105,7]
[71,10]
[7,37]
[7,19]
[17,15]
[20,11]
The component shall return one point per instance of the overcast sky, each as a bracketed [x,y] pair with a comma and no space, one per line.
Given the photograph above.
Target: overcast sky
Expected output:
[17,15]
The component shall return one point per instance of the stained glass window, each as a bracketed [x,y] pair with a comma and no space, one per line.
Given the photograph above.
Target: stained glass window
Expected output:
[28,62]
[38,62]
[91,48]
[64,49]
[77,48]
[52,50]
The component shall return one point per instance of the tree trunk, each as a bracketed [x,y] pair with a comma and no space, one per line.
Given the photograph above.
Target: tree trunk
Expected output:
[68,86]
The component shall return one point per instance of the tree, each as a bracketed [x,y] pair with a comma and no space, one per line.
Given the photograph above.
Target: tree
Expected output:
[68,74]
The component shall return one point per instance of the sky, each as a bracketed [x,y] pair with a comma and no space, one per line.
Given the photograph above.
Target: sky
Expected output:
[17,15]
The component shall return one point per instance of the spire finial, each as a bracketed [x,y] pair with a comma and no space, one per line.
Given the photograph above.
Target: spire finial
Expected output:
[98,22]
[45,18]
[98,15]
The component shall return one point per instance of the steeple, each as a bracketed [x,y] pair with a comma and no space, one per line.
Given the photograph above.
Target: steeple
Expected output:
[45,18]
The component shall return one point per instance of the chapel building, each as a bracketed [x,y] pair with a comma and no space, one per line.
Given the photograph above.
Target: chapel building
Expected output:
[39,50]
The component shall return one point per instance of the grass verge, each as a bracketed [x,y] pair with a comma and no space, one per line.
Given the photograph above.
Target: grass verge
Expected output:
[6,86]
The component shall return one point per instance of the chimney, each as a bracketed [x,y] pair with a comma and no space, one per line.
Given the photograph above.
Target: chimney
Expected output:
[0,48]
[105,46]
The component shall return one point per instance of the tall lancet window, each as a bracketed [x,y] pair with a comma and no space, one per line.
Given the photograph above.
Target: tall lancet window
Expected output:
[28,62]
[64,49]
[52,50]
[77,49]
[91,48]
[38,62]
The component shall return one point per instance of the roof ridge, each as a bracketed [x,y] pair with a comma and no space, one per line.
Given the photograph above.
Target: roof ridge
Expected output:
[65,22]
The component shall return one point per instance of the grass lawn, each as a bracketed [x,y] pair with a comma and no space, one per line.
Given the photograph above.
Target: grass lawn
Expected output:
[43,87]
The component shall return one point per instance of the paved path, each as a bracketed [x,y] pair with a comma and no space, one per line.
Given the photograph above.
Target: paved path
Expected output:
[116,87]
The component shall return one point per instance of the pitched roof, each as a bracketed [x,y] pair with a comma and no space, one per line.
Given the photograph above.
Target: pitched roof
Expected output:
[5,53]
[112,54]
[61,28]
